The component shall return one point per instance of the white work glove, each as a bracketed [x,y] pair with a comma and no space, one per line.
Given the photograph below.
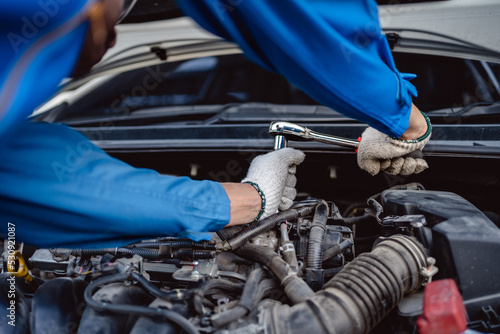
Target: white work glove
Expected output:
[274,174]
[379,152]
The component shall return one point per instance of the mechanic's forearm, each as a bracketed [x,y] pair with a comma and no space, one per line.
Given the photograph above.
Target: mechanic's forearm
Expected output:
[60,190]
[246,202]
[417,125]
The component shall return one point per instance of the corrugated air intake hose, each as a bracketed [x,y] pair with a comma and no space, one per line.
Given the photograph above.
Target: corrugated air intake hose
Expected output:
[360,296]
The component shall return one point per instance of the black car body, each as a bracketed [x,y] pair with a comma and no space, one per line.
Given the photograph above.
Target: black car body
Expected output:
[195,106]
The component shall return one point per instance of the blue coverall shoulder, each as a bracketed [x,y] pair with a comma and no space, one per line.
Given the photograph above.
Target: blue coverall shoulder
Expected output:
[333,50]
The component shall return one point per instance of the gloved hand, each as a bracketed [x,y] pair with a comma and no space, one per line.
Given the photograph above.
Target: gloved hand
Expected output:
[379,152]
[274,174]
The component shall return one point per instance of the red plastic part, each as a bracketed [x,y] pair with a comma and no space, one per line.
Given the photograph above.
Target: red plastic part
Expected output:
[444,310]
[359,141]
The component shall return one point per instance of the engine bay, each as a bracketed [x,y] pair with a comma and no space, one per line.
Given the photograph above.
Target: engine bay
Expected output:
[306,268]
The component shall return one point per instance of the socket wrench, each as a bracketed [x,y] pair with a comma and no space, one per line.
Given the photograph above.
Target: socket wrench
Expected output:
[284,131]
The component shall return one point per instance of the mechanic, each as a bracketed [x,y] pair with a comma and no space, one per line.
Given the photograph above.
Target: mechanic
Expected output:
[335,52]
[62,191]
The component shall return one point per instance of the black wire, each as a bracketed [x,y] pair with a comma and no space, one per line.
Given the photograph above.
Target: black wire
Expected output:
[151,288]
[87,295]
[249,298]
[358,219]
[133,309]
[212,287]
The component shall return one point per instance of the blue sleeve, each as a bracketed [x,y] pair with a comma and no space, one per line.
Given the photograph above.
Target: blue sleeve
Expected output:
[40,42]
[60,190]
[333,50]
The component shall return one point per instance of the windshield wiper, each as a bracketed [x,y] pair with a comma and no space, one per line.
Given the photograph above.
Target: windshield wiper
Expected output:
[471,106]
[470,110]
[231,113]
[256,112]
[182,114]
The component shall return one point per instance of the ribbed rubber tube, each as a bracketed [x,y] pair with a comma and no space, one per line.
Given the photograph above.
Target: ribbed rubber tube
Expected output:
[183,254]
[360,296]
[146,253]
[174,244]
[316,237]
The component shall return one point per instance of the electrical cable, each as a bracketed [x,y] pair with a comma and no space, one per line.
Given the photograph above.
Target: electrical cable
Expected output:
[132,309]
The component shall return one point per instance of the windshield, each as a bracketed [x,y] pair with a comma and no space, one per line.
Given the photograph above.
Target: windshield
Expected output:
[200,81]
[442,82]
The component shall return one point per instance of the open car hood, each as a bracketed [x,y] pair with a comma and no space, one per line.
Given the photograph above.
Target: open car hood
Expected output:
[463,28]
[456,28]
[467,28]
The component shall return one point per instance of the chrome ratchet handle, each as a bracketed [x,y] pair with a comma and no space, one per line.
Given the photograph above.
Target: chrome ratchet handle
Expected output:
[284,131]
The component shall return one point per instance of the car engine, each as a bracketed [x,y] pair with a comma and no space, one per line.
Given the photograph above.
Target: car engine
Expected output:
[306,268]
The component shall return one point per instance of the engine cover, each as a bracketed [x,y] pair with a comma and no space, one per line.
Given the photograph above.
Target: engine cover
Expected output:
[465,243]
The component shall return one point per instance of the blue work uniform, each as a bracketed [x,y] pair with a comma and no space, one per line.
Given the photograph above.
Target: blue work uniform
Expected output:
[60,190]
[333,50]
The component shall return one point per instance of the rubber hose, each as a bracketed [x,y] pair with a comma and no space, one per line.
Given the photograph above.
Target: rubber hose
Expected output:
[265,225]
[222,319]
[316,236]
[337,249]
[260,227]
[267,287]
[133,309]
[234,275]
[264,288]
[217,285]
[295,288]
[359,220]
[152,289]
[247,300]
[288,249]
[358,297]
[250,290]
[211,287]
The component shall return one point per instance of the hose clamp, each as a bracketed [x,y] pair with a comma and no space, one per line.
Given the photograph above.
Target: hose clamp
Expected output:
[430,271]
[289,275]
